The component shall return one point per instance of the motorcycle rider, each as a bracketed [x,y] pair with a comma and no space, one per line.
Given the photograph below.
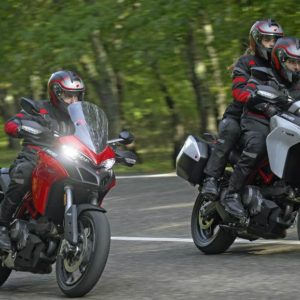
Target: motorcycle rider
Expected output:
[64,88]
[283,76]
[262,37]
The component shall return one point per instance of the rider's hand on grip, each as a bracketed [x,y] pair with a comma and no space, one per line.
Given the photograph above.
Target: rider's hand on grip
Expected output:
[46,133]
[253,101]
[267,109]
[284,102]
[271,110]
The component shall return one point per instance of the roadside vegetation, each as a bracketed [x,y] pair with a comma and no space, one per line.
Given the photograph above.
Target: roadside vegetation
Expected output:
[157,68]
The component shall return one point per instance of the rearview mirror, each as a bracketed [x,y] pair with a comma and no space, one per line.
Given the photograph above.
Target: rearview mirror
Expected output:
[29,106]
[126,136]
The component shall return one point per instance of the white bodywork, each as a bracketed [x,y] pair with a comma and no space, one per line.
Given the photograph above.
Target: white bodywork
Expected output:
[283,135]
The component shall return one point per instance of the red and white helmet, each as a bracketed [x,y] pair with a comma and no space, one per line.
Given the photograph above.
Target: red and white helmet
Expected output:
[284,49]
[262,28]
[64,82]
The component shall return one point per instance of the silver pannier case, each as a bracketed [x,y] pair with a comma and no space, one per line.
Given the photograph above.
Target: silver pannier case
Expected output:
[192,159]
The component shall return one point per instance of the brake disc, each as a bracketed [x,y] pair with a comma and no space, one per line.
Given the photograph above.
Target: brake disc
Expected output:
[72,261]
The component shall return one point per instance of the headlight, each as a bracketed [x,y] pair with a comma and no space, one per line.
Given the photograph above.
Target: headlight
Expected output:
[70,152]
[108,163]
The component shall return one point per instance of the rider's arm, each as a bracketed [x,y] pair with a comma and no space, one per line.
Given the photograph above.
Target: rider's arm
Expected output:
[13,126]
[240,79]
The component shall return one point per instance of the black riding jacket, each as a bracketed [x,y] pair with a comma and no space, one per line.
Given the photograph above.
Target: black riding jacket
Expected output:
[240,76]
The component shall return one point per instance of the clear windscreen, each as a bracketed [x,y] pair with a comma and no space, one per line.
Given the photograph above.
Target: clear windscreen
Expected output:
[91,126]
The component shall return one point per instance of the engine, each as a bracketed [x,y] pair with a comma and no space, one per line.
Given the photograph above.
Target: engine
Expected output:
[32,252]
[267,218]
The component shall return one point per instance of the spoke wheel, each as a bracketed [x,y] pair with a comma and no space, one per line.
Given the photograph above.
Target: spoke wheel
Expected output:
[207,234]
[79,268]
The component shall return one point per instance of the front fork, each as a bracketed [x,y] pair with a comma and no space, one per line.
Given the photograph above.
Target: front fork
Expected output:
[70,226]
[72,211]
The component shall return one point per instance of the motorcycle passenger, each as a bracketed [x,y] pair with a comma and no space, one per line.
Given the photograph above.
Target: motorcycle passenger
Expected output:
[64,88]
[284,76]
[262,37]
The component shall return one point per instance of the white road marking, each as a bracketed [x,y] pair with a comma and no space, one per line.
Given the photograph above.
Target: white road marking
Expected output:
[147,176]
[186,240]
[179,205]
[148,239]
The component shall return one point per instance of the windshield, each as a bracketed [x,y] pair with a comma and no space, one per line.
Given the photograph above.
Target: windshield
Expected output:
[91,125]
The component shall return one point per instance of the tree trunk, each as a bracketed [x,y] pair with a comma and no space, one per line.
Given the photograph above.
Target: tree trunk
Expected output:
[107,85]
[195,80]
[219,105]
[178,129]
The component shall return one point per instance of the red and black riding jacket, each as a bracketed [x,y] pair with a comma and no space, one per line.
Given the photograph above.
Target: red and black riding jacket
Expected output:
[240,86]
[48,116]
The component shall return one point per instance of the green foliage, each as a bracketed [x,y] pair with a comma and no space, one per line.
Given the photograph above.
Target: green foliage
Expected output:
[40,36]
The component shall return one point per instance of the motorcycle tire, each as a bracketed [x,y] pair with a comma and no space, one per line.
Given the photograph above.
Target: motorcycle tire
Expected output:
[4,274]
[208,236]
[94,225]
[298,224]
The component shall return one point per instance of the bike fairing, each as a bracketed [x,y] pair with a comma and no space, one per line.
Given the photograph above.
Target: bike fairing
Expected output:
[83,148]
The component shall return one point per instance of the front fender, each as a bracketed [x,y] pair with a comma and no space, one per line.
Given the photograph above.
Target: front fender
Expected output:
[83,207]
[71,220]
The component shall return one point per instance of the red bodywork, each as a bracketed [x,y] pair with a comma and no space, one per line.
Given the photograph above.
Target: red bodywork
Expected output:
[49,171]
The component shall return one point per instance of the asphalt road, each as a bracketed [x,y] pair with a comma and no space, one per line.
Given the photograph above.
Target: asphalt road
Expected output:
[152,255]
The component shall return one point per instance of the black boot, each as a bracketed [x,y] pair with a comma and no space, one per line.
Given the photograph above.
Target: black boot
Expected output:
[233,205]
[7,208]
[5,243]
[210,188]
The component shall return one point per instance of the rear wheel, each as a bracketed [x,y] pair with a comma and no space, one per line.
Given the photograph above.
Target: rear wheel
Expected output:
[79,268]
[207,235]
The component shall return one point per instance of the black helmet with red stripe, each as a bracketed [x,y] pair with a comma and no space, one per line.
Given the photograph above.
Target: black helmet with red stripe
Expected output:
[264,29]
[64,83]
[286,48]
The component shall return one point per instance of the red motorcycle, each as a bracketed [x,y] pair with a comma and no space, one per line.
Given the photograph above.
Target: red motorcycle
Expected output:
[62,219]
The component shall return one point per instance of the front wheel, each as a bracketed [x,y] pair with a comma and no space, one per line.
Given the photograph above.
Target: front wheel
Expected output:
[79,268]
[206,232]
[298,224]
[4,274]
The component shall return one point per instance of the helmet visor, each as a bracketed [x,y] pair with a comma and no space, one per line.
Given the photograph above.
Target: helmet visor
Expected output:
[67,95]
[270,37]
[268,41]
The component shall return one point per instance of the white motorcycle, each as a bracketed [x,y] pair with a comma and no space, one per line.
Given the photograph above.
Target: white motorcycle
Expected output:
[272,194]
